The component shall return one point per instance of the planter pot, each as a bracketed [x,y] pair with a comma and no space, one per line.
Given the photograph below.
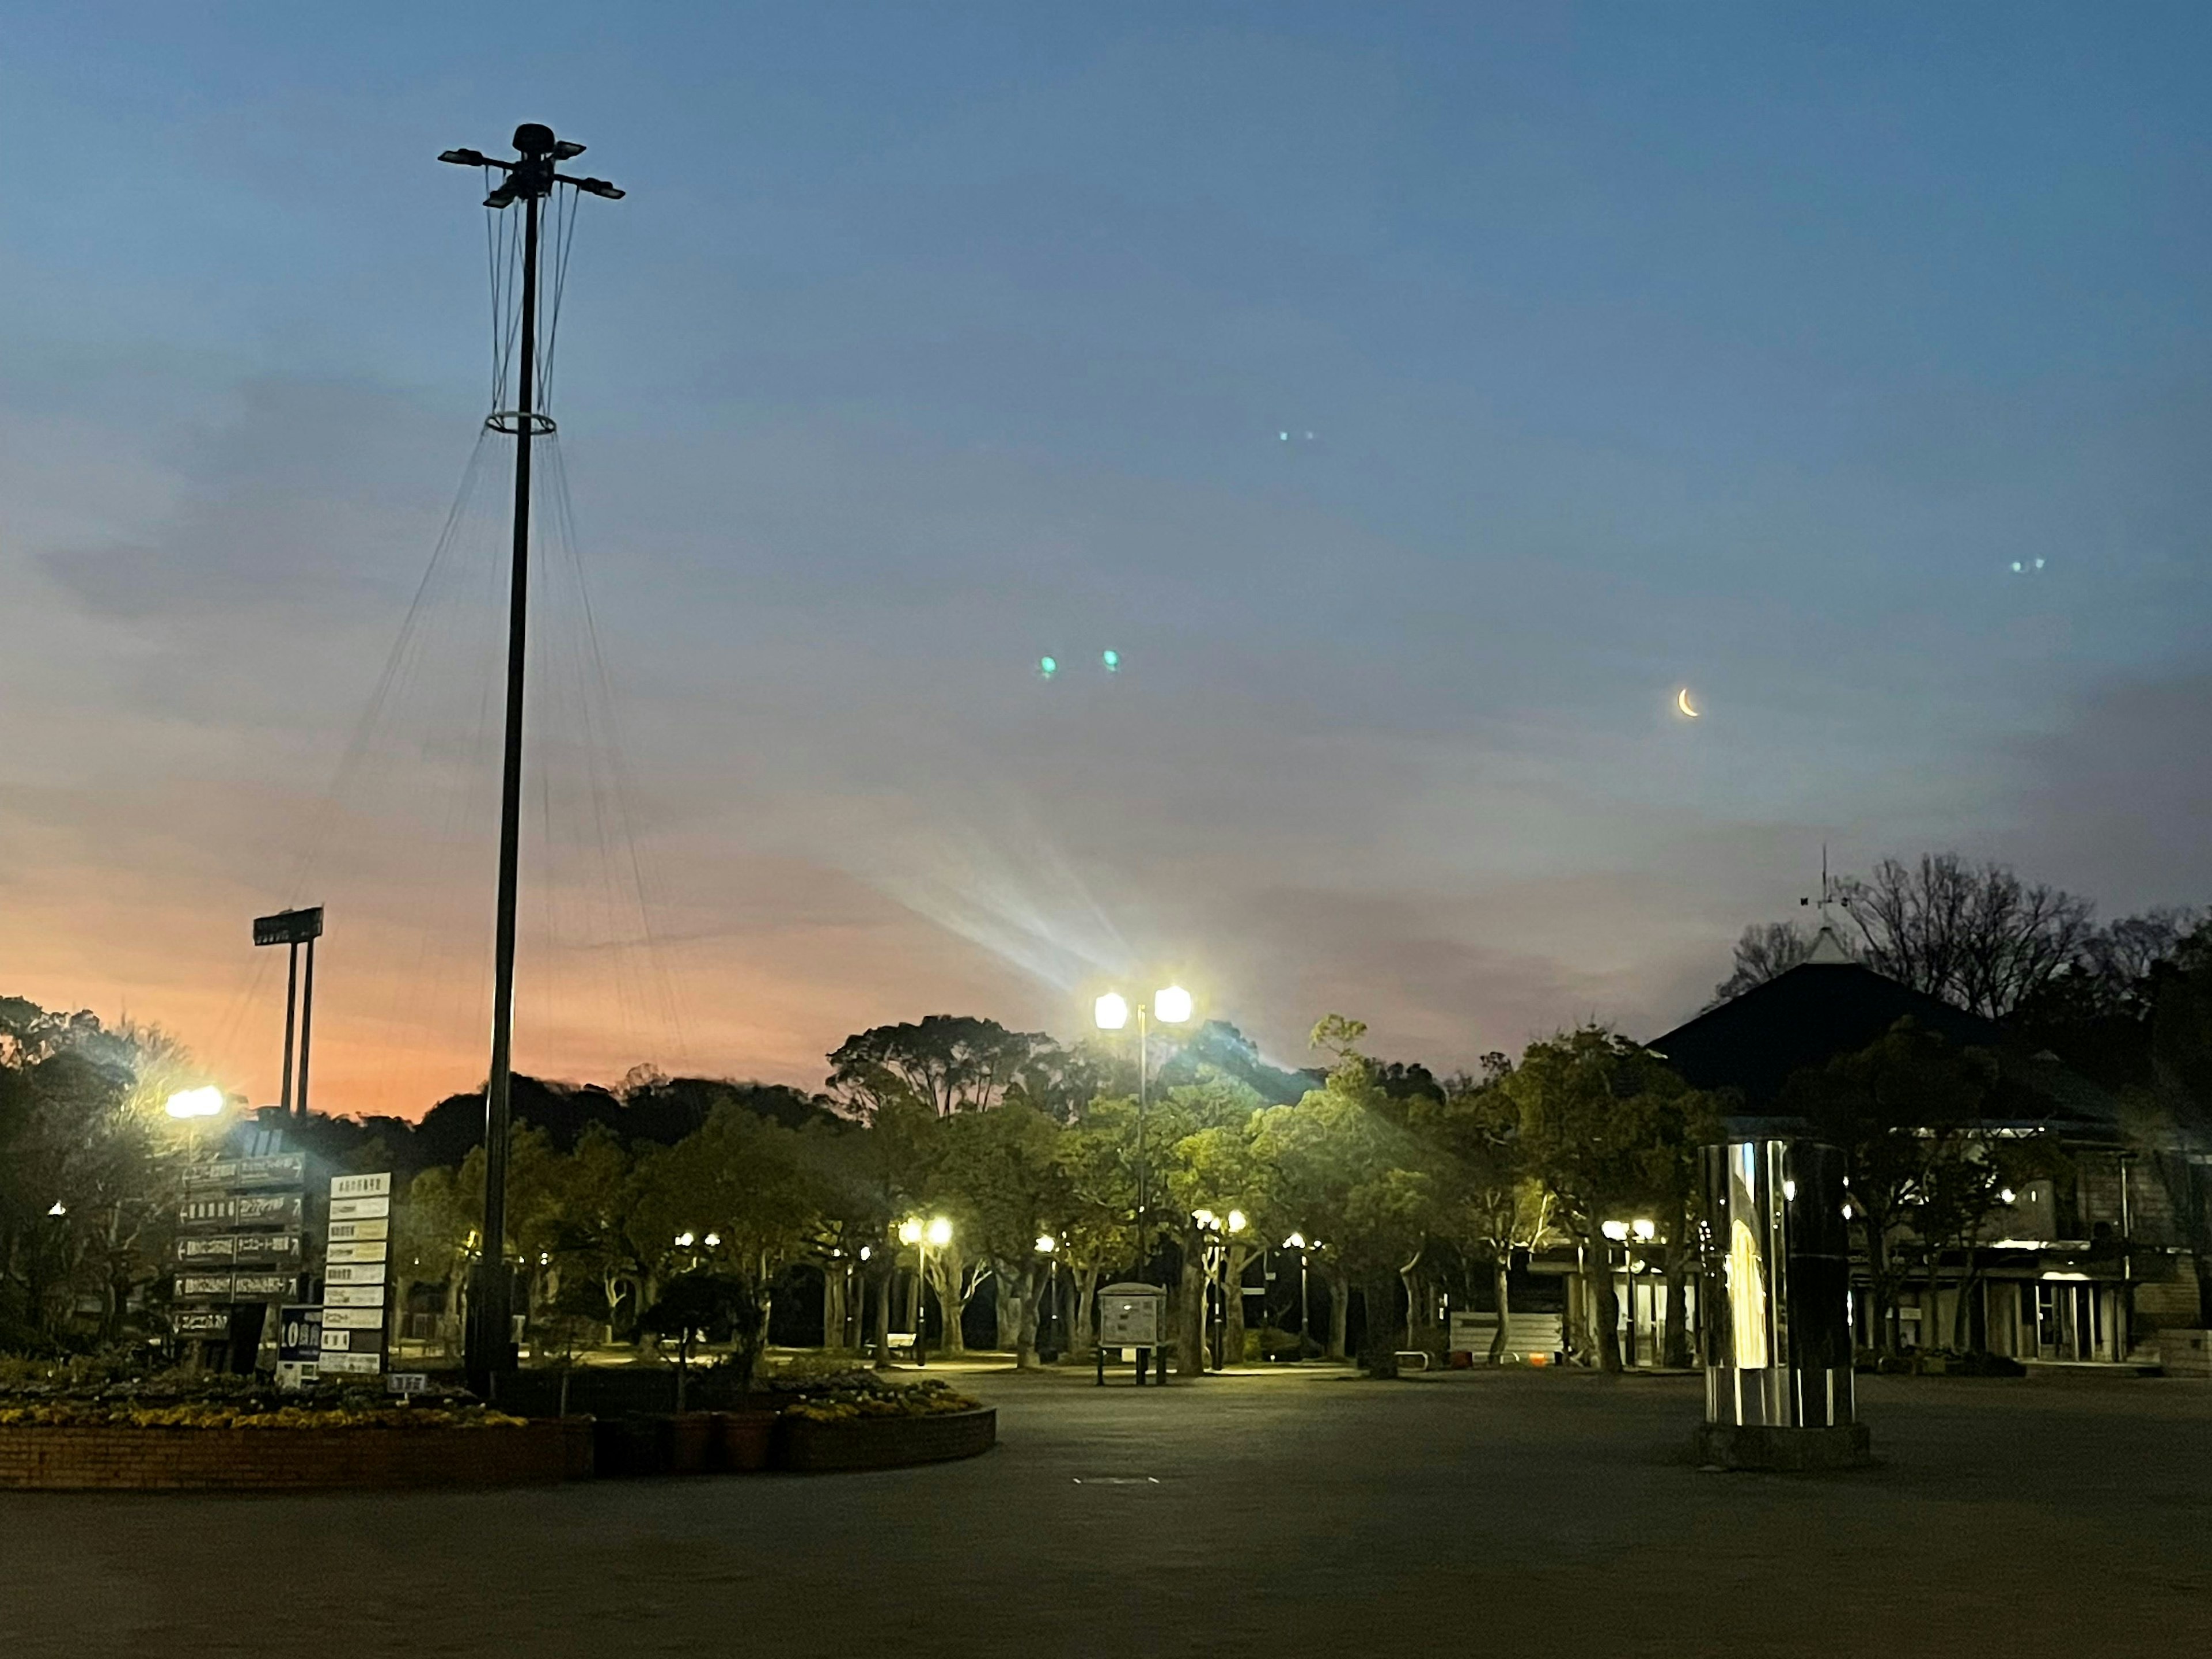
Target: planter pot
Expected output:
[691,1440]
[744,1442]
[884,1442]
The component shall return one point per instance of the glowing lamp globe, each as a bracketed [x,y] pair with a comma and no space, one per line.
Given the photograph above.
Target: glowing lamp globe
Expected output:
[1171,1006]
[1111,1011]
[940,1232]
[205,1101]
[909,1232]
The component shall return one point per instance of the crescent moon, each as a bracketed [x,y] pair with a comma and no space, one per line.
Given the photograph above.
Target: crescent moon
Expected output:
[1682,702]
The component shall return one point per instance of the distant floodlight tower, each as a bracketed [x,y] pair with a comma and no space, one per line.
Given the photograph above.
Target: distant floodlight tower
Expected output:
[529,180]
[294,928]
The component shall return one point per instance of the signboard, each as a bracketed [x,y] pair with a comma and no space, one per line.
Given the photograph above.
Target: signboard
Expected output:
[229,1173]
[1129,1315]
[215,1250]
[263,1285]
[354,1296]
[203,1287]
[367,1250]
[289,926]
[354,1272]
[361,1186]
[299,1333]
[227,1211]
[275,1249]
[360,1209]
[406,1383]
[202,1321]
[339,1318]
[343,1232]
[356,1364]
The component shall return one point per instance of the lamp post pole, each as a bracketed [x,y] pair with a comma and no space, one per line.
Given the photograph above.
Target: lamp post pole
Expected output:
[529,180]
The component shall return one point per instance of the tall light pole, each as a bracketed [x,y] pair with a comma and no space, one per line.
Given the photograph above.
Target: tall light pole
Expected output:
[294,928]
[1171,1006]
[529,180]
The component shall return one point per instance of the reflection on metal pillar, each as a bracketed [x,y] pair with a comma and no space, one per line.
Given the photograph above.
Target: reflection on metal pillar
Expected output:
[1775,1250]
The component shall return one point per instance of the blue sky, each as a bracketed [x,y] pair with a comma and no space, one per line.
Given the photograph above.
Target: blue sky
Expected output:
[1740,347]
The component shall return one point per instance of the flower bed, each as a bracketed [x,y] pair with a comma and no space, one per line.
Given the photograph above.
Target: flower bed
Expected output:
[81,1424]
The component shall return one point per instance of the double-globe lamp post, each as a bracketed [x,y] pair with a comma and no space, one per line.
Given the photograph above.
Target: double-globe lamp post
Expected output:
[921,1235]
[1171,1005]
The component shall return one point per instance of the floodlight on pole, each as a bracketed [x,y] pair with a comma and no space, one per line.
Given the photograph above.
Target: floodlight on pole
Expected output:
[940,1232]
[1172,1005]
[910,1232]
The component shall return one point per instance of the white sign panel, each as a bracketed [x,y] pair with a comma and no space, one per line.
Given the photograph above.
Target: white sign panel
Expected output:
[354,1296]
[347,1232]
[370,1250]
[361,1186]
[358,1365]
[358,1209]
[337,1317]
[354,1272]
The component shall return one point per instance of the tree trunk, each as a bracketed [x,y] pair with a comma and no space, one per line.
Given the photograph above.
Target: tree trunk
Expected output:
[1604,1315]
[1018,1295]
[1503,1271]
[1340,1312]
[1378,1343]
[1190,1314]
[880,1327]
[1675,1344]
[1232,1303]
[1082,1343]
[949,1274]
[833,1304]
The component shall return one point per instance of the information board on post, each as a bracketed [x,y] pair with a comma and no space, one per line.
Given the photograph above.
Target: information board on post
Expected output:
[356,1272]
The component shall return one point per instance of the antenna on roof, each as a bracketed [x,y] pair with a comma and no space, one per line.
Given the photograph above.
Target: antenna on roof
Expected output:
[1828,944]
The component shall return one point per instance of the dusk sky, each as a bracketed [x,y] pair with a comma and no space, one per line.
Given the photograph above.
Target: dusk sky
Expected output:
[1848,366]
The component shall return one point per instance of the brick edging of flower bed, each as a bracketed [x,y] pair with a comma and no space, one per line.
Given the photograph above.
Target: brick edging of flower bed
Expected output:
[884,1443]
[35,1457]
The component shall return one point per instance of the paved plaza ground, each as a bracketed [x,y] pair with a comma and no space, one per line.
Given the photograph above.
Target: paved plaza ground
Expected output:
[1284,1514]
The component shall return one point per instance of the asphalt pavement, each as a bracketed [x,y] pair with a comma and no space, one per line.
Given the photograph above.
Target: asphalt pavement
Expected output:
[1277,1514]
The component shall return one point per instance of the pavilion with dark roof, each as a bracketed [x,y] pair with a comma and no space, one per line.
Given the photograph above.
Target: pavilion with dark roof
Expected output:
[2082,1271]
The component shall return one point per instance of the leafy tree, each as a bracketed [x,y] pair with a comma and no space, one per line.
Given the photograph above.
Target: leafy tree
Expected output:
[1359,1181]
[1898,1109]
[1612,1133]
[950,1063]
[997,1177]
[1097,1230]
[1491,1204]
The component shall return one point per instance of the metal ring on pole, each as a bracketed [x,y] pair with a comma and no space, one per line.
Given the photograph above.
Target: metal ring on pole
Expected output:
[510,421]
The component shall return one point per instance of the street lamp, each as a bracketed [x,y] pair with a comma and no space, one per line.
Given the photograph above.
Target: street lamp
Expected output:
[1171,1005]
[937,1230]
[1048,1248]
[1298,1242]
